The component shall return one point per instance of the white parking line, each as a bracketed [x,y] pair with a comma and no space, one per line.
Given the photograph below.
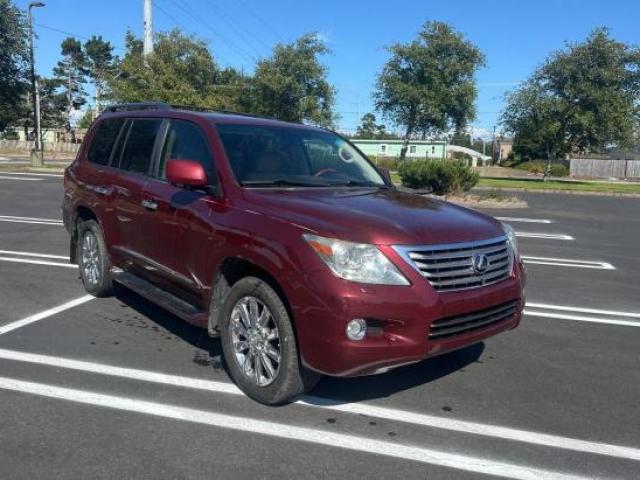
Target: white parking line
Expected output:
[548,236]
[42,315]
[597,311]
[320,437]
[25,179]
[35,255]
[396,415]
[57,175]
[41,221]
[37,262]
[567,262]
[580,314]
[523,220]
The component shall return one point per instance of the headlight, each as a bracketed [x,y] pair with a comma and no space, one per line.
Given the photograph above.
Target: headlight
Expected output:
[511,239]
[358,262]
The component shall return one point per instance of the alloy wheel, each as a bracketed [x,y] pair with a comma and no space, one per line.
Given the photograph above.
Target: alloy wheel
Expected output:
[91,270]
[256,340]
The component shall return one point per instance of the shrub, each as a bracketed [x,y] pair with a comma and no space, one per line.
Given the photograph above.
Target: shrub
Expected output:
[559,170]
[441,176]
[537,166]
[533,167]
[390,163]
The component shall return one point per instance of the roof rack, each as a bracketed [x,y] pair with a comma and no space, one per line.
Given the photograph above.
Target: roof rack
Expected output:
[125,107]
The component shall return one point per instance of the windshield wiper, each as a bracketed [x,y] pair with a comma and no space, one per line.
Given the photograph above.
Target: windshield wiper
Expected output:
[361,183]
[281,182]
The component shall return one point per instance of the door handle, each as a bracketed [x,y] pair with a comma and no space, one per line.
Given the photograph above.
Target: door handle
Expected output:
[100,190]
[149,204]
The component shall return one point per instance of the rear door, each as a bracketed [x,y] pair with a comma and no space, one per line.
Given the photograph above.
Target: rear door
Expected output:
[134,162]
[181,228]
[98,177]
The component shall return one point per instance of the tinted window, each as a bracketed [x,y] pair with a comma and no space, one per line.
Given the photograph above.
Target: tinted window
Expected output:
[105,137]
[184,142]
[137,153]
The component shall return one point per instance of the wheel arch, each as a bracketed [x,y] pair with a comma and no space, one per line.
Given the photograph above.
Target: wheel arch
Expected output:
[228,272]
[81,213]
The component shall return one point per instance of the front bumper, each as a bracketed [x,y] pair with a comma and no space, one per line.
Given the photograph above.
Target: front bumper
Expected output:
[323,304]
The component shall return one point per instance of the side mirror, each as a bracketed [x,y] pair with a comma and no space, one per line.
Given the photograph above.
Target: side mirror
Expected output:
[187,173]
[386,174]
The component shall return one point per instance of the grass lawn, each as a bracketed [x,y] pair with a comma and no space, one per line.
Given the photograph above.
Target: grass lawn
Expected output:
[569,185]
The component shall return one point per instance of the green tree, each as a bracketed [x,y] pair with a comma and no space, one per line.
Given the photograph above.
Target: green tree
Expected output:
[585,97]
[71,72]
[369,129]
[100,65]
[181,70]
[13,63]
[428,85]
[292,84]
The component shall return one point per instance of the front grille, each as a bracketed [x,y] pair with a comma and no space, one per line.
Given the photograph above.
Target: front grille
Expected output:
[451,266]
[458,325]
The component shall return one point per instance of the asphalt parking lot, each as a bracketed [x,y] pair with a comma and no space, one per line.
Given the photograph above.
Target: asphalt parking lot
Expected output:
[118,388]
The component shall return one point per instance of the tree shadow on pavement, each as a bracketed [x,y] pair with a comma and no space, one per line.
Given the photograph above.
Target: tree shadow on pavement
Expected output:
[334,390]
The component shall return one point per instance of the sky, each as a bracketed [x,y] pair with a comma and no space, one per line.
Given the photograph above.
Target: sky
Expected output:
[516,36]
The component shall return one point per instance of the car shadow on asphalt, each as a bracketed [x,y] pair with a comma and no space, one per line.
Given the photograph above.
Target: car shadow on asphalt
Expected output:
[195,336]
[335,390]
[330,390]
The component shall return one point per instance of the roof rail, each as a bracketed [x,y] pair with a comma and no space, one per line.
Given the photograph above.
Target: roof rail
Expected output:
[123,107]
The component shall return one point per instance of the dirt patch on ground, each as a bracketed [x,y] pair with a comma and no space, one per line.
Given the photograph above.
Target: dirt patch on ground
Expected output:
[487,200]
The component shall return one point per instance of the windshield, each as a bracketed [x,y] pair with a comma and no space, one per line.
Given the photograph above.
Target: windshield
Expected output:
[280,156]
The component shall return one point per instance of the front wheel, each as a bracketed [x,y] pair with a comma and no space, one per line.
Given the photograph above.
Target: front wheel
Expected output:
[259,344]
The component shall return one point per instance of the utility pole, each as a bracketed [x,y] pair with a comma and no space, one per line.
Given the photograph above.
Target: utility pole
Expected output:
[148,27]
[36,153]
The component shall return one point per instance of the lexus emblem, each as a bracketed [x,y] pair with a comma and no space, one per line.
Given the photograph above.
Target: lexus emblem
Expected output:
[480,262]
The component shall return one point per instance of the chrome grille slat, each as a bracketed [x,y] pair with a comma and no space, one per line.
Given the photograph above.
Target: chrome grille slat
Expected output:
[450,267]
[451,326]
[463,263]
[444,323]
[470,279]
[453,254]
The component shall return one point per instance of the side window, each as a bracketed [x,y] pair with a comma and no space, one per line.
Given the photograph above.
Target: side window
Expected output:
[137,153]
[103,140]
[184,141]
[412,149]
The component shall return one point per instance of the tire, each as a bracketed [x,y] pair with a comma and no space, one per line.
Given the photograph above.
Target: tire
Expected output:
[290,378]
[93,260]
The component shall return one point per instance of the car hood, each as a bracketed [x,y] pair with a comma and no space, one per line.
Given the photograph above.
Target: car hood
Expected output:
[380,216]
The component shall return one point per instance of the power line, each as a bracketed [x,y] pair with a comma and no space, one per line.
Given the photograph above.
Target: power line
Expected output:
[177,22]
[69,34]
[261,20]
[194,15]
[240,30]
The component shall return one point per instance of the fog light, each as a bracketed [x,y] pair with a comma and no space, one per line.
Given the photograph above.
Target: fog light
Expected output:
[356,329]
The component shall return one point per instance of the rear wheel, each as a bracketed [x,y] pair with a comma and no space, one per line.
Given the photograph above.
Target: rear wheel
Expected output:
[259,344]
[93,259]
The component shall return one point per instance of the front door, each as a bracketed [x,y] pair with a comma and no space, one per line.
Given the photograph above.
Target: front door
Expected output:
[181,229]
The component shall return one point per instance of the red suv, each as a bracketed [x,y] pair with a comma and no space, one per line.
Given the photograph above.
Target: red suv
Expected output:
[287,242]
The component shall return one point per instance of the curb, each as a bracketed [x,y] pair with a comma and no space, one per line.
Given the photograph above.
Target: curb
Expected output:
[566,192]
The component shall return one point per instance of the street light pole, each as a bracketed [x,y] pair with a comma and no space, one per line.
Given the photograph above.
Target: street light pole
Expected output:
[37,154]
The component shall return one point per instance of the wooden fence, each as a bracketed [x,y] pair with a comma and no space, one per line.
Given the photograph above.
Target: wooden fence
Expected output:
[595,168]
[22,146]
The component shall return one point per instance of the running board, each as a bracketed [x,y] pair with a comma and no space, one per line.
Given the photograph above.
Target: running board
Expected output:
[185,310]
